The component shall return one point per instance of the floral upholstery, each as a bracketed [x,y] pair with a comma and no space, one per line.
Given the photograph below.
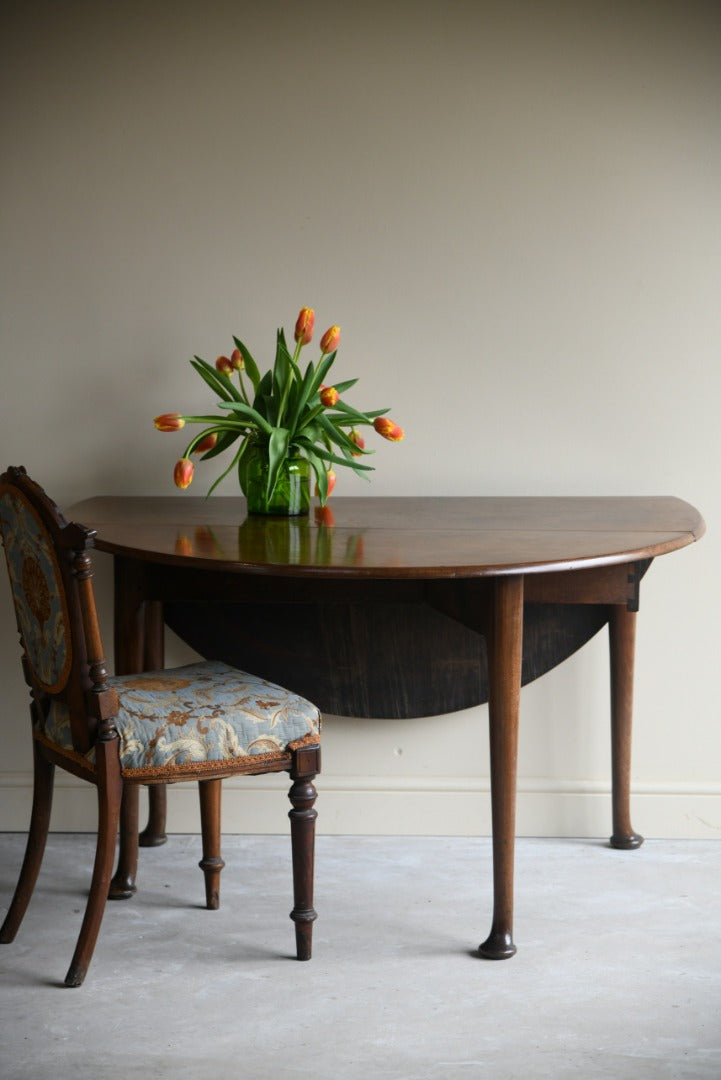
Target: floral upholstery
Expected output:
[37,590]
[199,716]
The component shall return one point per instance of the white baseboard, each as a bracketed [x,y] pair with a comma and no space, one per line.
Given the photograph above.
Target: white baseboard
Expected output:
[413,806]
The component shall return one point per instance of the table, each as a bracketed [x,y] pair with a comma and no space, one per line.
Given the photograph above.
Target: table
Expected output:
[395,607]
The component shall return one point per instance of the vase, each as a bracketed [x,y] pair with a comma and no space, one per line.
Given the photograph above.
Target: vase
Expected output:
[291,495]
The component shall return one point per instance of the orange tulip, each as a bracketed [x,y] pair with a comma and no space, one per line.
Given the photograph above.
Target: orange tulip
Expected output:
[183,545]
[183,473]
[207,443]
[236,360]
[324,516]
[169,421]
[359,441]
[330,339]
[304,325]
[329,396]
[385,427]
[224,365]
[331,481]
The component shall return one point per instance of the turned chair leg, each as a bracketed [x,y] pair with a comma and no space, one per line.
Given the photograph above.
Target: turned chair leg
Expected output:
[302,833]
[44,773]
[110,789]
[211,864]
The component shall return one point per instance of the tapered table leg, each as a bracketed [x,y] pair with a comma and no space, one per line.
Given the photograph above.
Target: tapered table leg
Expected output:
[622,639]
[505,647]
[122,885]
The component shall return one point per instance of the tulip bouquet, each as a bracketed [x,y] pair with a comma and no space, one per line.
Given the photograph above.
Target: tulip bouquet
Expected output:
[285,413]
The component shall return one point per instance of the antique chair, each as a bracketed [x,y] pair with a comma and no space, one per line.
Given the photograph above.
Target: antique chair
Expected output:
[201,722]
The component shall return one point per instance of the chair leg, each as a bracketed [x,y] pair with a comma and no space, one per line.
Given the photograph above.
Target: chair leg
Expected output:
[44,774]
[211,864]
[110,790]
[302,834]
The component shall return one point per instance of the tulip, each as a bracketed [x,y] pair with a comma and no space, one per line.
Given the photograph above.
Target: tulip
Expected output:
[385,427]
[331,482]
[205,543]
[236,360]
[325,516]
[329,396]
[169,421]
[183,545]
[207,443]
[357,438]
[183,473]
[304,325]
[330,339]
[224,366]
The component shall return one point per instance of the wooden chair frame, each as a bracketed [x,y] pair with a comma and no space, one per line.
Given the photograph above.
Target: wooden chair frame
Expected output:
[93,706]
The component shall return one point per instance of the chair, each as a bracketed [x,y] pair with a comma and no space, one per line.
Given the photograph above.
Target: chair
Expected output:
[202,722]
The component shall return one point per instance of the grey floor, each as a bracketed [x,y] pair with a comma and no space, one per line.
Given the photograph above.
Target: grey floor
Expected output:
[618,971]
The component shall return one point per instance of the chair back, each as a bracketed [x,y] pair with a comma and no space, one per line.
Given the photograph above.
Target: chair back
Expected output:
[51,578]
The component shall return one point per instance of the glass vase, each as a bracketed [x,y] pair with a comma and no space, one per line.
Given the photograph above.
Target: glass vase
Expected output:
[291,495]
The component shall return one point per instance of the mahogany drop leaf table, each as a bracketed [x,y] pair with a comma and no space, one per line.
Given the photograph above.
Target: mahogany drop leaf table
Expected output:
[395,607]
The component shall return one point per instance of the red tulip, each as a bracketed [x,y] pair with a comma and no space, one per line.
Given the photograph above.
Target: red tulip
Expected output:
[183,473]
[236,360]
[330,339]
[224,365]
[304,325]
[385,427]
[329,396]
[169,421]
[359,441]
[207,443]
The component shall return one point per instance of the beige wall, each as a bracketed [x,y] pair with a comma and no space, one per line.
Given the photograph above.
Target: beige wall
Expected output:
[512,209]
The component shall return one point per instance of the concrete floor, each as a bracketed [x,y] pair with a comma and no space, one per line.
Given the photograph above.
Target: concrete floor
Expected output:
[618,971]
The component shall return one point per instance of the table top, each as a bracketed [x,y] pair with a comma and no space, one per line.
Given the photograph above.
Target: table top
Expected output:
[398,537]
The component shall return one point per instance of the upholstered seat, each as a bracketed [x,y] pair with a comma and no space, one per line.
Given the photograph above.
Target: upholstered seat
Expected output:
[188,722]
[202,722]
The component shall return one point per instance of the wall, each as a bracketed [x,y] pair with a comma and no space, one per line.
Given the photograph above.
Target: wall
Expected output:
[512,210]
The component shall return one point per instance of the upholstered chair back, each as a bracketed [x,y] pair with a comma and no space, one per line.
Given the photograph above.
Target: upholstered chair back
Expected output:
[50,576]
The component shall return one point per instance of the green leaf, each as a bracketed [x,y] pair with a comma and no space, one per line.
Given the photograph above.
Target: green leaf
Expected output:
[250,365]
[311,415]
[356,414]
[308,446]
[303,397]
[321,371]
[251,413]
[338,437]
[224,441]
[223,475]
[264,388]
[341,387]
[277,453]
[220,382]
[321,474]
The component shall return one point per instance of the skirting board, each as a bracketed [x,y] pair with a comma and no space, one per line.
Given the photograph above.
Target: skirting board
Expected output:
[411,806]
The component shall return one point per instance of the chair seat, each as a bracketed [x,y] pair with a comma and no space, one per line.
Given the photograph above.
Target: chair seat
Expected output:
[196,719]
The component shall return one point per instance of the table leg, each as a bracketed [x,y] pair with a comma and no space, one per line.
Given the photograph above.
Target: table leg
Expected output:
[622,638]
[505,648]
[122,885]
